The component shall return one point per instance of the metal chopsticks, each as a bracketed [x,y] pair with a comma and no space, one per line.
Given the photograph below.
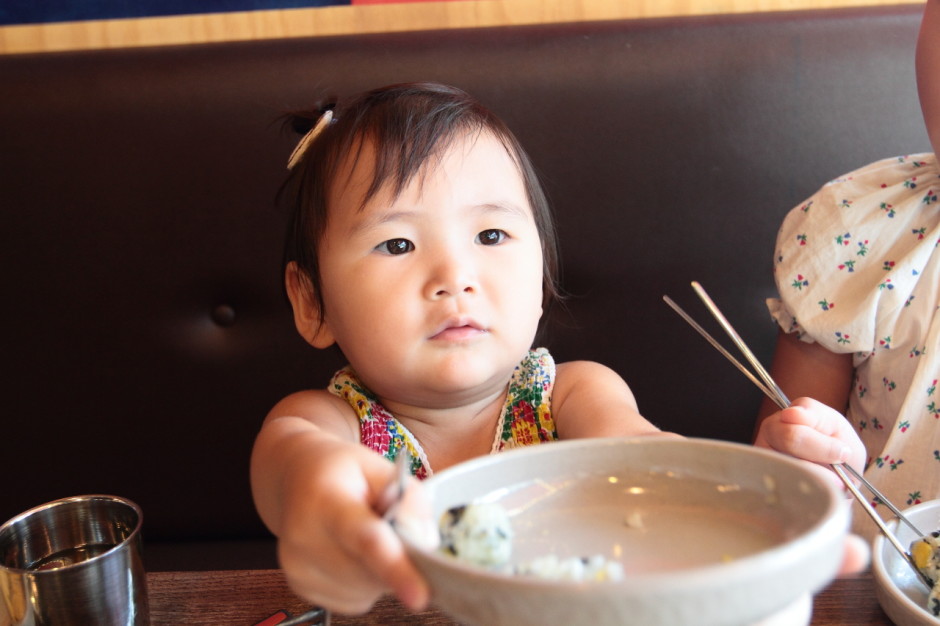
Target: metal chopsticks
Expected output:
[769,387]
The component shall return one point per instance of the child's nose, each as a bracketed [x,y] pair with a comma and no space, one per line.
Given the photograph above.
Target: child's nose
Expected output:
[453,275]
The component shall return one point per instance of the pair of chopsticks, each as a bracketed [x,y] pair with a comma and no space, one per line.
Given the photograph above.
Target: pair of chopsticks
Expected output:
[766,383]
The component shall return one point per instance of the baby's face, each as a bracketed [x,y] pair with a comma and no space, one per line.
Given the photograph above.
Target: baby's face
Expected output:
[434,296]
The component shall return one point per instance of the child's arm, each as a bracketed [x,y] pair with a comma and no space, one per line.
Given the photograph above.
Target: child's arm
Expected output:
[928,70]
[591,400]
[317,489]
[818,382]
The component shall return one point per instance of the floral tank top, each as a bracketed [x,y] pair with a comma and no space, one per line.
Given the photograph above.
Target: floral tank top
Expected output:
[526,418]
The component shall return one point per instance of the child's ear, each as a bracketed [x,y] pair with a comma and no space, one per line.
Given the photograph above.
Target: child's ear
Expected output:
[306,311]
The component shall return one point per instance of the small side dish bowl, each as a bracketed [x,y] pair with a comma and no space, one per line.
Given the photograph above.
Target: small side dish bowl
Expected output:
[901,594]
[708,532]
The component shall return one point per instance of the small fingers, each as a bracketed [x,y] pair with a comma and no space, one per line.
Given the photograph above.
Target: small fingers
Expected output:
[351,569]
[390,563]
[334,547]
[808,430]
[805,443]
[375,543]
[328,578]
[813,414]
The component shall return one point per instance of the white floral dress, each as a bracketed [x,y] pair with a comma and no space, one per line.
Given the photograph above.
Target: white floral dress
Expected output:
[858,271]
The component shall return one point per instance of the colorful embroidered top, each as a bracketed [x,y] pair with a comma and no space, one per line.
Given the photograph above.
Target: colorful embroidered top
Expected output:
[858,271]
[526,418]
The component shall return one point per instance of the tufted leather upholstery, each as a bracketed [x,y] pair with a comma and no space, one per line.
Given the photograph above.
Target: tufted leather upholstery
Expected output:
[145,330]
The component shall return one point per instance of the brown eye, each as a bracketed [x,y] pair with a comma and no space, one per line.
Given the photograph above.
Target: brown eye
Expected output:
[396,246]
[491,236]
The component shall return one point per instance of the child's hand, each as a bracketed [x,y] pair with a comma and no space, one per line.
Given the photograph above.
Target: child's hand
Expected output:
[812,431]
[333,545]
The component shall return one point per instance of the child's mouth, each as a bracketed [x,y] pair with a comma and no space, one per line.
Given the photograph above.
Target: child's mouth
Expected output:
[458,332]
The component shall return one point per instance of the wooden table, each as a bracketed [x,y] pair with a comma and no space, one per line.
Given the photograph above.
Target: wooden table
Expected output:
[246,597]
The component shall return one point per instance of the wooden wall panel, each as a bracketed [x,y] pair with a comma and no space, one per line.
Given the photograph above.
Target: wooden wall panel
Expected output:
[368,19]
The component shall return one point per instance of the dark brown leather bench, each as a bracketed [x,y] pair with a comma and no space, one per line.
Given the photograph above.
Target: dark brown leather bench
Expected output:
[146,335]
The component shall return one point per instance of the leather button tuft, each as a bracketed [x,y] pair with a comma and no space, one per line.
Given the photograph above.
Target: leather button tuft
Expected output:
[223,315]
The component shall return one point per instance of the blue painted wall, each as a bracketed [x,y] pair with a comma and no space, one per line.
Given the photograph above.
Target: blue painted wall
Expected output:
[38,11]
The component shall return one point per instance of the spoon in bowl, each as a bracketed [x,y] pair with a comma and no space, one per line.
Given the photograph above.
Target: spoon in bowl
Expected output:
[404,506]
[391,498]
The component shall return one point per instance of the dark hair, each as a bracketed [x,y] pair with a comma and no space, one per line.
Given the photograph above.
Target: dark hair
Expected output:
[407,124]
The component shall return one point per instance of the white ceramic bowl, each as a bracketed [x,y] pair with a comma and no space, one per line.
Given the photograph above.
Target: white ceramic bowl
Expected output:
[901,594]
[708,533]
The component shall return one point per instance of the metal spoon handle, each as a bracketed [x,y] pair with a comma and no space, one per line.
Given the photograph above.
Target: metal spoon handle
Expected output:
[395,490]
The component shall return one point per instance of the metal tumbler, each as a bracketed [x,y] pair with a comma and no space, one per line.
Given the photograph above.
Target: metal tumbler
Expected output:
[74,561]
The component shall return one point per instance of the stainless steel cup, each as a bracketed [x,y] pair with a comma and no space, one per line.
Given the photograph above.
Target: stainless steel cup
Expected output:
[74,561]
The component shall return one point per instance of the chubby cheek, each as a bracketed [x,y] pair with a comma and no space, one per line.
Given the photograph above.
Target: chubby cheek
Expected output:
[367,334]
[360,308]
[522,294]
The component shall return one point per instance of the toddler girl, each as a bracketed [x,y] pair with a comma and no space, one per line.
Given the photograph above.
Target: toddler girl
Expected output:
[421,245]
[858,273]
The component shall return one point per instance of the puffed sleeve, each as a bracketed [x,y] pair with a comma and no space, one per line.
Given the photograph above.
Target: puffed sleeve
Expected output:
[848,258]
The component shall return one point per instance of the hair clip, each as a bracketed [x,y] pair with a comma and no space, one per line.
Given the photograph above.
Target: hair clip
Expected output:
[307,139]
